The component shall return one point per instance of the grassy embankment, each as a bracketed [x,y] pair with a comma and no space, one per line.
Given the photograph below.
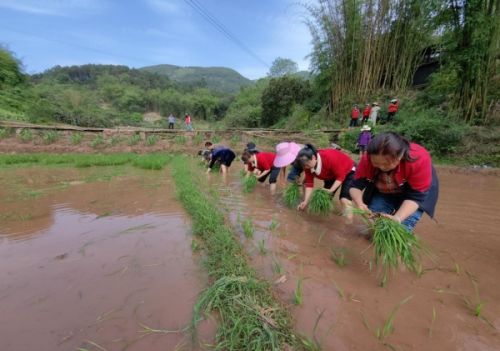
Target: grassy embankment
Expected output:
[250,317]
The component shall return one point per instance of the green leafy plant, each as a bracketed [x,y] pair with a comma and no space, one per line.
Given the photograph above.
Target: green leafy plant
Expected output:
[248,228]
[198,139]
[5,133]
[97,141]
[338,256]
[320,202]
[291,195]
[76,138]
[26,135]
[249,183]
[151,140]
[262,247]
[134,140]
[115,140]
[298,296]
[392,242]
[216,138]
[50,137]
[180,139]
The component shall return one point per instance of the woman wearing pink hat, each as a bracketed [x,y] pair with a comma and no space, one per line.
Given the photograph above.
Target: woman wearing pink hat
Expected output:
[286,154]
[334,167]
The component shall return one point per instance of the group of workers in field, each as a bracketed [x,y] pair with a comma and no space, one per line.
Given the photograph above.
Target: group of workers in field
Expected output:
[371,113]
[393,177]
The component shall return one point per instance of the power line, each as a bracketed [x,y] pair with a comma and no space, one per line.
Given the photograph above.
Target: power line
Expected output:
[222,29]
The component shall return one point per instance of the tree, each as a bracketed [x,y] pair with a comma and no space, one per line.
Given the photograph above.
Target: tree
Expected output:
[10,71]
[280,96]
[282,66]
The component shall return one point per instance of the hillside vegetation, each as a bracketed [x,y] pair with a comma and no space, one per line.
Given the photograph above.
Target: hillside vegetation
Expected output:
[220,79]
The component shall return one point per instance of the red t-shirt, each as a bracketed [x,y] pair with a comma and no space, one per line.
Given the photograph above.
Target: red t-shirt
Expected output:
[355,113]
[265,161]
[393,107]
[187,119]
[335,165]
[366,111]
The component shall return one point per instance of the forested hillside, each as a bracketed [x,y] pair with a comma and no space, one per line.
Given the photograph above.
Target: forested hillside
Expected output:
[220,79]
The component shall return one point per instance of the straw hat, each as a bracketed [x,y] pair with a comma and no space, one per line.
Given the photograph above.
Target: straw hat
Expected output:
[286,153]
[365,127]
[375,103]
[394,100]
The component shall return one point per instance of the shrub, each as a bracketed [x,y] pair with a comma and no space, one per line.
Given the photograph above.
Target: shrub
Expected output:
[5,133]
[180,139]
[151,140]
[76,138]
[50,136]
[115,140]
[26,135]
[97,142]
[134,139]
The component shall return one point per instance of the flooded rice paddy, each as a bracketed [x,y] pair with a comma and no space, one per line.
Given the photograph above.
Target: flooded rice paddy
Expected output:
[102,256]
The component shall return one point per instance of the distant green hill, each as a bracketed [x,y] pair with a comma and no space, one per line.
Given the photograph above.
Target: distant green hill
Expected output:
[218,78]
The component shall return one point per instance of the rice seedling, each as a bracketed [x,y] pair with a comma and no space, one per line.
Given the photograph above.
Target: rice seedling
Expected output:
[151,161]
[50,137]
[314,344]
[151,140]
[250,318]
[26,135]
[291,195]
[249,183]
[278,267]
[387,329]
[97,142]
[434,316]
[320,238]
[76,138]
[134,140]
[248,228]
[338,255]
[180,139]
[339,289]
[320,202]
[274,224]
[298,296]
[393,242]
[262,247]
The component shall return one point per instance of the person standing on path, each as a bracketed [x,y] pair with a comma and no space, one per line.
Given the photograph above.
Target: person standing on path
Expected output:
[366,113]
[171,121]
[364,139]
[187,122]
[374,113]
[393,108]
[354,116]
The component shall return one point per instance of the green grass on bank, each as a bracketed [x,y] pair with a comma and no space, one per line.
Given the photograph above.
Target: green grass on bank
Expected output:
[154,161]
[250,318]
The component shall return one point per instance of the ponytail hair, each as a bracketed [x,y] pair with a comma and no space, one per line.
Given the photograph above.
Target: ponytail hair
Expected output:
[390,144]
[306,154]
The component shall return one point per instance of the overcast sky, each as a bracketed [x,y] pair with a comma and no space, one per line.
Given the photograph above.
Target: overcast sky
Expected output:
[137,33]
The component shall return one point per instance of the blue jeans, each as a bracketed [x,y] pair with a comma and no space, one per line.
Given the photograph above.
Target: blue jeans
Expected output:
[293,174]
[390,204]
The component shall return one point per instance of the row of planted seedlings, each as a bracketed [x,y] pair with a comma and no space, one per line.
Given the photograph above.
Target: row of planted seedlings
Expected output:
[250,316]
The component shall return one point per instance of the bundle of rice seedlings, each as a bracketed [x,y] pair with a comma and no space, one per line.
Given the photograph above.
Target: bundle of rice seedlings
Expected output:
[249,183]
[292,195]
[393,243]
[320,202]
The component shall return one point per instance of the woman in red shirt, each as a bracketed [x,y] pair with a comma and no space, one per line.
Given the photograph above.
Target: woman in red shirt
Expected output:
[396,178]
[332,166]
[261,163]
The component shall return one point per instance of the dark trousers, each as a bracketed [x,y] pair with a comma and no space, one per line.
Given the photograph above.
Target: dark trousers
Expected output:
[170,125]
[354,122]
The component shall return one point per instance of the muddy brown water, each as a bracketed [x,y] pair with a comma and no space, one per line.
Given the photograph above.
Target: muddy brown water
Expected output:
[92,257]
[348,304]
[89,257]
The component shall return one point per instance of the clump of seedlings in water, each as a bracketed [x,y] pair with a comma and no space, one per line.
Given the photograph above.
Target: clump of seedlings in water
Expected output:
[278,267]
[249,183]
[248,228]
[262,247]
[382,332]
[297,294]
[338,256]
[274,224]
[291,196]
[320,202]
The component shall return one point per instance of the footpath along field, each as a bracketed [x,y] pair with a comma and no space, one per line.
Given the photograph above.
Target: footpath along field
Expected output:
[134,252]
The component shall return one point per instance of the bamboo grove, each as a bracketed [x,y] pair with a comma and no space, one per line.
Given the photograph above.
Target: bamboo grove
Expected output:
[364,47]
